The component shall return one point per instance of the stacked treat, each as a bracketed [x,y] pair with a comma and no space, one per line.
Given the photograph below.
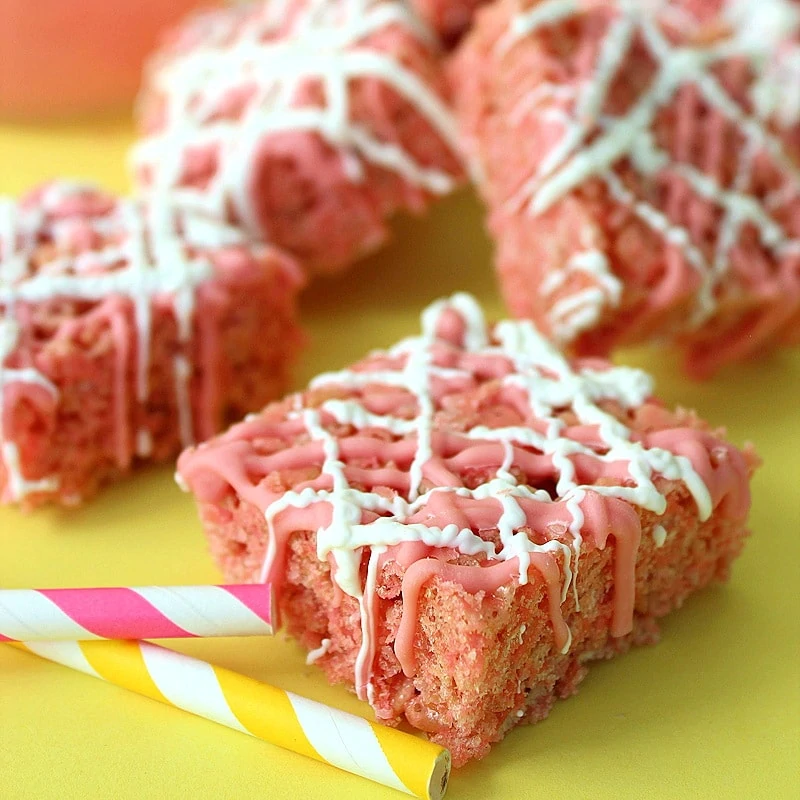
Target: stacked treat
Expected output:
[454,527]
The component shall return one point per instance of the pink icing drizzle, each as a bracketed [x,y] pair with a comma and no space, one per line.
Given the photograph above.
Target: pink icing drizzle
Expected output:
[126,262]
[411,452]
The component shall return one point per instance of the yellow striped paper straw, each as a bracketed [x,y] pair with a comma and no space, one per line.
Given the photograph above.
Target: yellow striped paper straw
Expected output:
[379,753]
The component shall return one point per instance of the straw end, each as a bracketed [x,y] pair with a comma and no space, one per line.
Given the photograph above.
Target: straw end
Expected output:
[440,776]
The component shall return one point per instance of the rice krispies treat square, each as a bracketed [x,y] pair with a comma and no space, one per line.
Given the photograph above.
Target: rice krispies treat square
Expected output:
[126,333]
[307,122]
[456,526]
[641,164]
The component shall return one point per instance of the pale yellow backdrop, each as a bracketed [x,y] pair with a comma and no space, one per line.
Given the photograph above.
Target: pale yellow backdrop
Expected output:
[712,711]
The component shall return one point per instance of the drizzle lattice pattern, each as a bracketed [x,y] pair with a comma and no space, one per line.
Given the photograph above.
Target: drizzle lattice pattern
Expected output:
[76,244]
[489,443]
[266,56]
[622,151]
[550,400]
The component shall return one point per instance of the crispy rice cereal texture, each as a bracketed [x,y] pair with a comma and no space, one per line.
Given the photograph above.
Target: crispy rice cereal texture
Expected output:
[641,166]
[126,333]
[308,122]
[457,526]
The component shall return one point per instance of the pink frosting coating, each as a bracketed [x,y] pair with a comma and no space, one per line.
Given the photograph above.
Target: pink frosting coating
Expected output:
[452,433]
[640,163]
[308,123]
[72,258]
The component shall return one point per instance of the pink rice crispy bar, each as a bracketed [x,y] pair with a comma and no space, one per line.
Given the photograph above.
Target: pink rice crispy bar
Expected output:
[457,526]
[641,165]
[308,122]
[126,333]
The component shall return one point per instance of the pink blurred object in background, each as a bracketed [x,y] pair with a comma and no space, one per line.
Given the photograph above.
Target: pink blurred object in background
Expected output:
[65,58]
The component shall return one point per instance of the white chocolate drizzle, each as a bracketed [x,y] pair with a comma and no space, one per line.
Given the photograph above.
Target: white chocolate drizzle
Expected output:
[145,255]
[582,310]
[529,366]
[659,535]
[276,57]
[318,652]
[593,143]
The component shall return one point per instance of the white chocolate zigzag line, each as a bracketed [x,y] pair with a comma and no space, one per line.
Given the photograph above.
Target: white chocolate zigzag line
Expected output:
[571,161]
[155,263]
[529,354]
[323,45]
[582,310]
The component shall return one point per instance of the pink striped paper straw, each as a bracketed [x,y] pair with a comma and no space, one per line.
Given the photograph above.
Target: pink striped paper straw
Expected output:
[147,612]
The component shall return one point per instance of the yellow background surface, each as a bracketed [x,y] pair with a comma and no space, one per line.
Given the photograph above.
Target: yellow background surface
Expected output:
[712,711]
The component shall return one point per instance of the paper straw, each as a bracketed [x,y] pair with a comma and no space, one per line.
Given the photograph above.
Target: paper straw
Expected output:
[147,612]
[381,754]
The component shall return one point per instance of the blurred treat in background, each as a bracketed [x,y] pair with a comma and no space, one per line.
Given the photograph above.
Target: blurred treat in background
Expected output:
[450,19]
[66,58]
